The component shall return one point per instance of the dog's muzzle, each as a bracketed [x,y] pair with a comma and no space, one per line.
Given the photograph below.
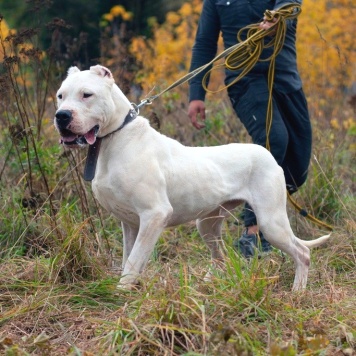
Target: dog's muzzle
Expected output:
[63,119]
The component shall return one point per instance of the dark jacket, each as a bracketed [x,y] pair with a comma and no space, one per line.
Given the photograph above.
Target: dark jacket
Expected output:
[228,17]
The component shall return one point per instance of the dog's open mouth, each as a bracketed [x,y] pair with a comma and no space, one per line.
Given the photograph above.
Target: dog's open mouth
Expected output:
[68,138]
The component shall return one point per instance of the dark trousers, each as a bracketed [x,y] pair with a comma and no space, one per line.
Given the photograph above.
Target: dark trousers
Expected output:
[290,136]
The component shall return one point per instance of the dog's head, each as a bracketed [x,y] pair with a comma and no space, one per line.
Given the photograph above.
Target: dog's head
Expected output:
[89,104]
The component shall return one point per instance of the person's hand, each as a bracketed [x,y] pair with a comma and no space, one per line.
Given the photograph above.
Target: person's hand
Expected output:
[266,24]
[196,112]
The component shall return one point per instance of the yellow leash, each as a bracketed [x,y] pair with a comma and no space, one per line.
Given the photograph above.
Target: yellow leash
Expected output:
[242,57]
[304,213]
[245,57]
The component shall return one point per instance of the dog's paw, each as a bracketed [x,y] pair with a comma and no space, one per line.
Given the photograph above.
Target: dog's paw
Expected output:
[208,277]
[128,283]
[218,267]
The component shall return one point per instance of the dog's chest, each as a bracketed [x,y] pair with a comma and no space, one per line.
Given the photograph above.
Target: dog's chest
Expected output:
[115,204]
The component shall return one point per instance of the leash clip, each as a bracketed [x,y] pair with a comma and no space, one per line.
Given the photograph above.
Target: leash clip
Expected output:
[143,102]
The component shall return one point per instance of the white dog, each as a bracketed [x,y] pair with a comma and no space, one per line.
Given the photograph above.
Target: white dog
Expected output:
[150,181]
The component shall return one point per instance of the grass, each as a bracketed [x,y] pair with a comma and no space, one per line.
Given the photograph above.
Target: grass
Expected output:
[246,309]
[60,253]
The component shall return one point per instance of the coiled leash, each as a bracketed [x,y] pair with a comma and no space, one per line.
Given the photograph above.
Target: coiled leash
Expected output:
[242,57]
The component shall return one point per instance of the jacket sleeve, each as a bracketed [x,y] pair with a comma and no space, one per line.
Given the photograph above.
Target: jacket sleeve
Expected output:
[280,3]
[205,47]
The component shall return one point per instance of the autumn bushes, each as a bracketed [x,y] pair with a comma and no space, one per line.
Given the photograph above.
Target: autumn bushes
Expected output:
[325,45]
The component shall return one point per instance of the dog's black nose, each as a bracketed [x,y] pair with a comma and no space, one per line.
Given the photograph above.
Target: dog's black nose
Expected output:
[63,118]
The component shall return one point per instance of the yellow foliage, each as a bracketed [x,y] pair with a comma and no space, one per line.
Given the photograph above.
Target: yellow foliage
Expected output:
[173,18]
[326,47]
[4,28]
[108,17]
[118,11]
[127,16]
[186,9]
[334,123]
[4,32]
[166,56]
[350,123]
[18,53]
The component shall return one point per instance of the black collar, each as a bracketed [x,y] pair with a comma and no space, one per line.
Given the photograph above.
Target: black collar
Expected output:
[93,151]
[132,114]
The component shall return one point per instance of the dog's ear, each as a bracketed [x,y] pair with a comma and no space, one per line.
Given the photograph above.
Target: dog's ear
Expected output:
[72,70]
[102,71]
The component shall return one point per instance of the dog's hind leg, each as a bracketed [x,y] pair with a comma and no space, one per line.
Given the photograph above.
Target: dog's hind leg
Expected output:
[269,202]
[209,228]
[129,238]
[276,229]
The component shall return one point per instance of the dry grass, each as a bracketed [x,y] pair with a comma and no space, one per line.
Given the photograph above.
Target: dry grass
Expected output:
[247,309]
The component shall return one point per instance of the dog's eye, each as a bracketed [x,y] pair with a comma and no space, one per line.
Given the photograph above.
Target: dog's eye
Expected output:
[59,96]
[87,95]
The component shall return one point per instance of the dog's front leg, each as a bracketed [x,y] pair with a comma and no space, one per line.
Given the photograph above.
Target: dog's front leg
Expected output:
[151,226]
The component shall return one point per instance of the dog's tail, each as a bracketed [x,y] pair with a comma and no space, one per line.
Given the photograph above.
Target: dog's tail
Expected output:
[314,243]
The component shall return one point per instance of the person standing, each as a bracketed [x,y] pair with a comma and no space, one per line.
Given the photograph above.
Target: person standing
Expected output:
[290,137]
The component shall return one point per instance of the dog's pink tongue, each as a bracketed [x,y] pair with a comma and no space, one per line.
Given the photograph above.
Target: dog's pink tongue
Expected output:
[90,137]
[68,138]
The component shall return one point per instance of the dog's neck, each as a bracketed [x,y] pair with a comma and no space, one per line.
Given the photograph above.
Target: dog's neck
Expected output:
[132,114]
[120,113]
[94,149]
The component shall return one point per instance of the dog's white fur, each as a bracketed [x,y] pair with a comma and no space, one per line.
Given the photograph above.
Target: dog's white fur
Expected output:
[150,181]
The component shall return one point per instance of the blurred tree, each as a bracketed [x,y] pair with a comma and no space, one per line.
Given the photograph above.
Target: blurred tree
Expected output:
[144,9]
[79,38]
[78,41]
